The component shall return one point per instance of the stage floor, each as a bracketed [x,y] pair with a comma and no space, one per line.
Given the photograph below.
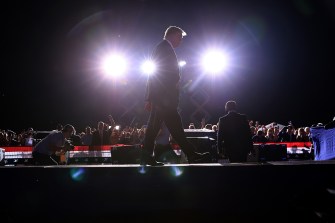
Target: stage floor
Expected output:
[287,191]
[220,163]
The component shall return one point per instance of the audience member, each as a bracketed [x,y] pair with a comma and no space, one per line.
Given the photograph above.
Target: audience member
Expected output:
[86,139]
[101,136]
[270,135]
[75,139]
[191,126]
[234,138]
[208,126]
[259,137]
[301,136]
[287,134]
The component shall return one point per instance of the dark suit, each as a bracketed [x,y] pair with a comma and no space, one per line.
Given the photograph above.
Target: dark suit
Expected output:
[234,137]
[162,86]
[163,93]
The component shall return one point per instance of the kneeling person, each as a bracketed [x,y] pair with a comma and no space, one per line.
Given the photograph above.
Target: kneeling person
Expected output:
[55,142]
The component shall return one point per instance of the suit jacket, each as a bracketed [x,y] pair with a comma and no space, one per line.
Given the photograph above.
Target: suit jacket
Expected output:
[234,135]
[162,86]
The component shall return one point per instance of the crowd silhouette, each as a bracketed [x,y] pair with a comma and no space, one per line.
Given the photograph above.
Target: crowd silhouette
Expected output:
[112,133]
[116,134]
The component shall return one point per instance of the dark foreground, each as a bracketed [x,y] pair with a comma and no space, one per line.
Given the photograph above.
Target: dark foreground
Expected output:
[297,191]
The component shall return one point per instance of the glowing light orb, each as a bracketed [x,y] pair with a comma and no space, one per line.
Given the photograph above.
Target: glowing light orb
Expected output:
[182,63]
[114,65]
[215,62]
[148,67]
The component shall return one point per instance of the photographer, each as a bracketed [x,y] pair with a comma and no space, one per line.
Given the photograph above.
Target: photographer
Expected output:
[55,142]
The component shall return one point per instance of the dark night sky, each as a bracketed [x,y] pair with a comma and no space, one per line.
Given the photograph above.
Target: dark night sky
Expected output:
[281,59]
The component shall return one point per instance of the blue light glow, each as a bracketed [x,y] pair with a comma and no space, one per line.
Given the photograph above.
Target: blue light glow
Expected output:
[77,174]
[176,171]
[142,169]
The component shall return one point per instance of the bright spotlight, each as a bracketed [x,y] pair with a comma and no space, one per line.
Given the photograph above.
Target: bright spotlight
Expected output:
[114,65]
[215,62]
[182,63]
[148,67]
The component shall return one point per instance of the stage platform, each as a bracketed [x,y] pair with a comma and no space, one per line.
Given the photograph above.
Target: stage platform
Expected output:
[285,191]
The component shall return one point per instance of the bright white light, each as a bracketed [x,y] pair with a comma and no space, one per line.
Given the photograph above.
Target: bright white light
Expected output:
[215,62]
[182,63]
[148,67]
[114,65]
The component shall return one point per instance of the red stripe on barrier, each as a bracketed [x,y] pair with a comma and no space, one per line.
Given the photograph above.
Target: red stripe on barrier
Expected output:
[291,144]
[109,147]
[76,148]
[17,148]
[92,148]
[98,148]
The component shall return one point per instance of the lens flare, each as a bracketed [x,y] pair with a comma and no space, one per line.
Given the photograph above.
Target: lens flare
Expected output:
[77,174]
[142,169]
[176,171]
[148,67]
[215,62]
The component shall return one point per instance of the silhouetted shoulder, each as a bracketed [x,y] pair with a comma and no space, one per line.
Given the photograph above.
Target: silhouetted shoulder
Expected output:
[163,44]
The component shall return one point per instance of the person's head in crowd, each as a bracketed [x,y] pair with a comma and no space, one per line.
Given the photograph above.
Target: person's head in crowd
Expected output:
[106,126]
[30,132]
[59,127]
[88,130]
[214,128]
[208,126]
[260,132]
[307,130]
[68,130]
[253,130]
[270,131]
[302,131]
[101,126]
[290,129]
[257,124]
[191,126]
